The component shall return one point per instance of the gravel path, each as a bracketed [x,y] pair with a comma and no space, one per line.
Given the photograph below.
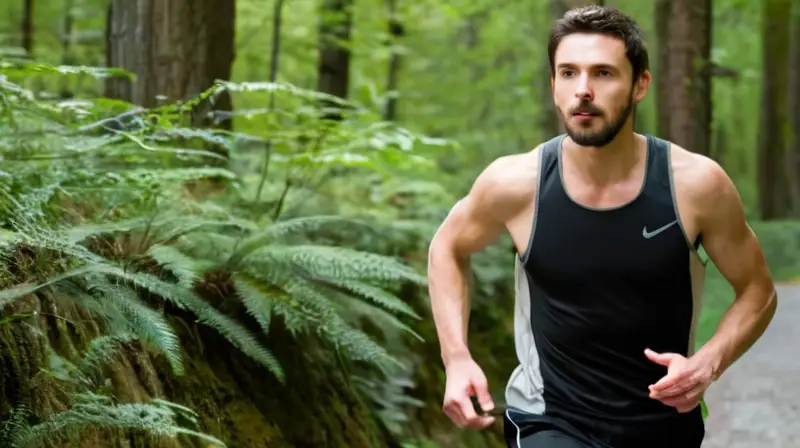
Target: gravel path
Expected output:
[757,402]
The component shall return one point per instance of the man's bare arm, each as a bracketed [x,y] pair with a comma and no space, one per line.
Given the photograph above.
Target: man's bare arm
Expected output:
[475,222]
[734,249]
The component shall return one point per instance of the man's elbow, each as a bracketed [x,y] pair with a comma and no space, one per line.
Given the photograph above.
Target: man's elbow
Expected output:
[771,304]
[764,296]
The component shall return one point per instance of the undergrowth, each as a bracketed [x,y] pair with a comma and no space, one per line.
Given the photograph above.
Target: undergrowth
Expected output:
[130,214]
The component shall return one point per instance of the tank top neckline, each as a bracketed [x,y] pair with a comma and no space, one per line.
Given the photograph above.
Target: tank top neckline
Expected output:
[647,168]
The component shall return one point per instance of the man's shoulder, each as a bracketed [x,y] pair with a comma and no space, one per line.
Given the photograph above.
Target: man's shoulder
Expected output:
[698,176]
[514,167]
[509,180]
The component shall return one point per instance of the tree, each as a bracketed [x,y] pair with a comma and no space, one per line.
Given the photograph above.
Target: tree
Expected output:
[176,49]
[688,74]
[793,106]
[396,33]
[27,26]
[661,17]
[773,179]
[336,22]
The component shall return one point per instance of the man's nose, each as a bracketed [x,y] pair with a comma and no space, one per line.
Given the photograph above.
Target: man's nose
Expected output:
[584,91]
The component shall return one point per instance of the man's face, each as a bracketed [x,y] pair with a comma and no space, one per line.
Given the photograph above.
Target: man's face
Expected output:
[593,87]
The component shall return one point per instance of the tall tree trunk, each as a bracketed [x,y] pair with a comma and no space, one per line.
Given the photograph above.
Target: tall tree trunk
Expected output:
[793,144]
[689,74]
[336,23]
[396,32]
[66,45]
[27,26]
[772,172]
[662,12]
[176,49]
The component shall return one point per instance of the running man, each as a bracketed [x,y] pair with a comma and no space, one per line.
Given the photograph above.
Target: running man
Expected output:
[607,224]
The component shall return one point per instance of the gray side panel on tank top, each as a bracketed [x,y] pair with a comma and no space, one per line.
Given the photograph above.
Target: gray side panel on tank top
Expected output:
[524,390]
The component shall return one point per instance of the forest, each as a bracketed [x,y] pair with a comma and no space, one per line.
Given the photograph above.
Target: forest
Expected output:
[215,214]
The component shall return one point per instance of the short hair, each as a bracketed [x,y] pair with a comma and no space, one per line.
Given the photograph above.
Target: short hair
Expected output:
[601,20]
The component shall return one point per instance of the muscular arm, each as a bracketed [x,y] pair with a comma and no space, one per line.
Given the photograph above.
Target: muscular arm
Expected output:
[733,248]
[475,222]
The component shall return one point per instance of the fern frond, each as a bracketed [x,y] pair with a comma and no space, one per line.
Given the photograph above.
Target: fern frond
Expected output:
[355,309]
[99,351]
[210,246]
[236,334]
[337,263]
[258,298]
[149,325]
[155,176]
[183,266]
[377,295]
[353,343]
[280,229]
[80,233]
[15,426]
[62,369]
[96,411]
[239,336]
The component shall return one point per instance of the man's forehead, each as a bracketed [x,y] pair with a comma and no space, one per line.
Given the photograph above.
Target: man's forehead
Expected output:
[594,49]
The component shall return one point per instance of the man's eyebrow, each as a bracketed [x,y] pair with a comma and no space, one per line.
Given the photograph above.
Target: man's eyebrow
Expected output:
[594,66]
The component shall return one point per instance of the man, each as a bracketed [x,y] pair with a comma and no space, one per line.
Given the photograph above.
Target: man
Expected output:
[608,225]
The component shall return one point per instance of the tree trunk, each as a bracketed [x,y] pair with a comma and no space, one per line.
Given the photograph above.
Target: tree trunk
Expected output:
[177,49]
[772,173]
[396,32]
[663,11]
[27,27]
[689,74]
[66,46]
[793,144]
[336,23]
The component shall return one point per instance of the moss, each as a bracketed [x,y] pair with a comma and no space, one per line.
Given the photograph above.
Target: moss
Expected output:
[238,401]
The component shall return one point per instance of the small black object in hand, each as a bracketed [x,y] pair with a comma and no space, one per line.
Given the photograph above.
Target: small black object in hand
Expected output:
[496,412]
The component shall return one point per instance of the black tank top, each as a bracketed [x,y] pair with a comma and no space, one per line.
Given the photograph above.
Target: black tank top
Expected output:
[604,285]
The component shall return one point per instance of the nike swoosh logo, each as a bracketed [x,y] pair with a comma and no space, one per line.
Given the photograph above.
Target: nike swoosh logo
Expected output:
[649,235]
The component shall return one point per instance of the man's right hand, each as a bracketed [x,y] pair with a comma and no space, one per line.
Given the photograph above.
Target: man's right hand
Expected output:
[465,379]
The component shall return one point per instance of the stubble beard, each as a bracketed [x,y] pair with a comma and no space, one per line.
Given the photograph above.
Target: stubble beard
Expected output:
[602,137]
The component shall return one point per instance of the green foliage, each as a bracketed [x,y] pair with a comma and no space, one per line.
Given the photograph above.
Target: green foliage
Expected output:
[135,216]
[91,409]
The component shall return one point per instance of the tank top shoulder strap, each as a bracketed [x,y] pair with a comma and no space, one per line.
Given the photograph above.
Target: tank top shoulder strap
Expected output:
[658,177]
[549,172]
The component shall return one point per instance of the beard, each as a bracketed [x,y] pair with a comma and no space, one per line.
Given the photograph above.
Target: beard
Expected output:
[603,136]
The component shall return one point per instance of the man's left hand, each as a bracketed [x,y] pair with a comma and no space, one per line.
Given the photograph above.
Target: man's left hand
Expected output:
[685,382]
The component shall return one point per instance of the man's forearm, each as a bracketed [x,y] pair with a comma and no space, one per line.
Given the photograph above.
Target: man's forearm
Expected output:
[449,293]
[740,327]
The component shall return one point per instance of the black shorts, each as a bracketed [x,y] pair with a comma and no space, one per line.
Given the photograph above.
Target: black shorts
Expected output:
[523,430]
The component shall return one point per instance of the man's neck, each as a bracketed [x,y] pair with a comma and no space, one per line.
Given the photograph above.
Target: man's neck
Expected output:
[608,164]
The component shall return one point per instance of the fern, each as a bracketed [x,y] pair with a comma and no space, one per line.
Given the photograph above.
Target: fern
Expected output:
[90,410]
[182,266]
[109,214]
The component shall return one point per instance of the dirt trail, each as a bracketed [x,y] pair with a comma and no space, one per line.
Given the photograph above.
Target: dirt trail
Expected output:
[757,402]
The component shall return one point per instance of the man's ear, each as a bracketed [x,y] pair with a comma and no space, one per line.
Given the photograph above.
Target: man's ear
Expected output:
[642,86]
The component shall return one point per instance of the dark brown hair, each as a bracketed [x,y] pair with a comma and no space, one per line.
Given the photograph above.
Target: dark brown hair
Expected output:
[601,20]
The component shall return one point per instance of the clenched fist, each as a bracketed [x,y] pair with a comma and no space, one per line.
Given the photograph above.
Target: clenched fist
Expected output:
[465,379]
